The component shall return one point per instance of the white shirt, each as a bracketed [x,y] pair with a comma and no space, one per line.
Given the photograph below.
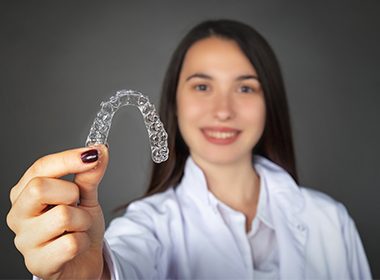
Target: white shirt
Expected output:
[259,246]
[183,233]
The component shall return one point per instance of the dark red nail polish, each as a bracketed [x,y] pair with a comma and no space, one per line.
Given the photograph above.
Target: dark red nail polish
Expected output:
[89,156]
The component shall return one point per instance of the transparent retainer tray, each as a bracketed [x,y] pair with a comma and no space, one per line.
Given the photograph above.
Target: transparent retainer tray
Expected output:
[156,132]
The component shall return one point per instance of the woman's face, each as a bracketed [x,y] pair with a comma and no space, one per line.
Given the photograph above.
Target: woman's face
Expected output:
[220,103]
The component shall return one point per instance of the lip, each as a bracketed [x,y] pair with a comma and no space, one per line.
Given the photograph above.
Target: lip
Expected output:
[217,141]
[220,129]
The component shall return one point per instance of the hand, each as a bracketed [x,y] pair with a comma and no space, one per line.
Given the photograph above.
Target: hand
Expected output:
[59,225]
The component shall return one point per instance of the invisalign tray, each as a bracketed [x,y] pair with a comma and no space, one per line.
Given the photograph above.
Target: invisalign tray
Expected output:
[157,134]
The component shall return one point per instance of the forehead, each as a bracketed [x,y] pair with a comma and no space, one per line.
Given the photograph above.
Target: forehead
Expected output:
[217,54]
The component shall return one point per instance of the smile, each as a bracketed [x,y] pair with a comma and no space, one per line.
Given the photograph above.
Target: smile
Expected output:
[221,136]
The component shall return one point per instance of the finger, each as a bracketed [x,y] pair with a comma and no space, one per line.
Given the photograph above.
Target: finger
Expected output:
[59,220]
[55,166]
[60,251]
[41,192]
[89,180]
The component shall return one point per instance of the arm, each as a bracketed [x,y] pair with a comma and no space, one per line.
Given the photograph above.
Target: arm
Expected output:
[131,248]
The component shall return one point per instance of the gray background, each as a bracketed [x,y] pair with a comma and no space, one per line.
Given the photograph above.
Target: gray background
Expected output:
[59,60]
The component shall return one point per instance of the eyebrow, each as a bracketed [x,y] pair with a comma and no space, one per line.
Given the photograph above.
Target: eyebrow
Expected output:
[199,75]
[247,77]
[208,77]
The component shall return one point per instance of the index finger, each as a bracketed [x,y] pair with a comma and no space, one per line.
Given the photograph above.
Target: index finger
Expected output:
[55,166]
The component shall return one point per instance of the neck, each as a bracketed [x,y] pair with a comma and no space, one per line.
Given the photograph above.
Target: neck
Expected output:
[235,184]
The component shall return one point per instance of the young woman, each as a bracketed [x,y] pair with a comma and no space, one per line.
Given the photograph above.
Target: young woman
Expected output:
[226,204]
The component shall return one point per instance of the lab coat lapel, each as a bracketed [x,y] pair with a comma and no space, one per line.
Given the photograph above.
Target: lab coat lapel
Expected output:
[285,202]
[291,237]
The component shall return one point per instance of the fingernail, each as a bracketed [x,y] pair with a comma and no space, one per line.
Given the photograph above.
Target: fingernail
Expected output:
[89,156]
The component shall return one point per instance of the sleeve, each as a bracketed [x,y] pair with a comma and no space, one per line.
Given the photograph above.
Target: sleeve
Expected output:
[357,259]
[131,247]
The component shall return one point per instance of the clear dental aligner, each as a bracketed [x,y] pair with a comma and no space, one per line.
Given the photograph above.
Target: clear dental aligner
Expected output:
[157,134]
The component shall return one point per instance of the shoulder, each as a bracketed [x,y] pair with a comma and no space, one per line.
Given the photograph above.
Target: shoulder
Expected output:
[320,198]
[319,203]
[333,232]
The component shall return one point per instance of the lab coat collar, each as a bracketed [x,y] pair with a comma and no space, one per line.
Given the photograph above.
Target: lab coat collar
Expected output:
[194,182]
[285,202]
[196,186]
[276,180]
[262,212]
[279,182]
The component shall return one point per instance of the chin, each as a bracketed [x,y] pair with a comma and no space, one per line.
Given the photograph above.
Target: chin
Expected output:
[220,158]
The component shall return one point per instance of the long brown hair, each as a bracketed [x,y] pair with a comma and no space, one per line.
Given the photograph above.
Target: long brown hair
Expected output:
[276,143]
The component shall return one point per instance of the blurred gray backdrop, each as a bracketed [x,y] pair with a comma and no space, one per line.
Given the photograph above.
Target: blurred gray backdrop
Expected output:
[60,59]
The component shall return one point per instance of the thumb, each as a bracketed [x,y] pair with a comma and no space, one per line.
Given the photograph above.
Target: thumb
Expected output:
[88,181]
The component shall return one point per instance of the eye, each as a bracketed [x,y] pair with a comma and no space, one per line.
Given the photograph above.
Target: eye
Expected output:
[246,89]
[201,87]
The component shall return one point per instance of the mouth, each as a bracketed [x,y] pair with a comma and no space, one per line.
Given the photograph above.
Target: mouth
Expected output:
[221,135]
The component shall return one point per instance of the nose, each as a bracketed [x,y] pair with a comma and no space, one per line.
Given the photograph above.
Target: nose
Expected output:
[223,107]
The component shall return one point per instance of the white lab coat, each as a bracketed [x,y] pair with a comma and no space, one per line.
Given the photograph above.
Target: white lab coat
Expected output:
[176,234]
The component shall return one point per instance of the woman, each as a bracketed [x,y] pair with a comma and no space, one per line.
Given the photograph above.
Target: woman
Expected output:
[225,205]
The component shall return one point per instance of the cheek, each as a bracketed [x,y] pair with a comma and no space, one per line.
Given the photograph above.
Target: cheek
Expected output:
[260,114]
[189,111]
[255,114]
[189,114]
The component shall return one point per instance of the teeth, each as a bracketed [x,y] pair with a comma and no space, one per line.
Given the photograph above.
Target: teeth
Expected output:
[220,135]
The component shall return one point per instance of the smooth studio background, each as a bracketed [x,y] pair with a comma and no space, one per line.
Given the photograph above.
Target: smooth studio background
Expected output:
[59,60]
